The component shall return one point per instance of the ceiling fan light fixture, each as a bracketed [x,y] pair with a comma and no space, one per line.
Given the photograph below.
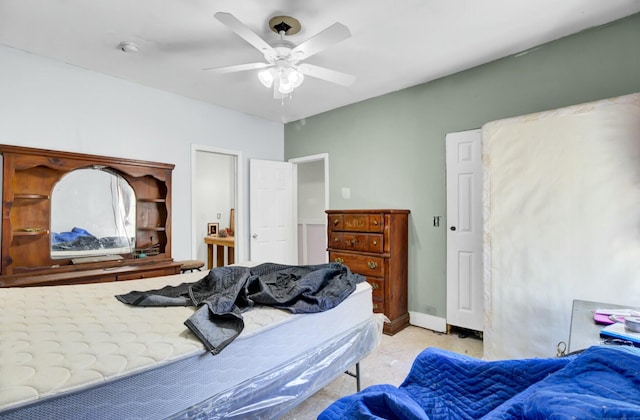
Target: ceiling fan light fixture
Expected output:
[288,79]
[284,86]
[266,77]
[294,77]
[284,79]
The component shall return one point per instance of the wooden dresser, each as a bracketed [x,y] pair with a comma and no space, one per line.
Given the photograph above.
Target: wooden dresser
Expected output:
[374,243]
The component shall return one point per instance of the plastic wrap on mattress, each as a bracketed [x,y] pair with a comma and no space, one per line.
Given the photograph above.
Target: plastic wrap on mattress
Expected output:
[278,390]
[159,393]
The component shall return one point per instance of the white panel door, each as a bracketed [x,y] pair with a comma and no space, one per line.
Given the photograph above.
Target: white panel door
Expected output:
[273,234]
[465,293]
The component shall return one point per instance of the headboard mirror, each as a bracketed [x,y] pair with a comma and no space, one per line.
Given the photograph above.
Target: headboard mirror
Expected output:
[73,217]
[93,213]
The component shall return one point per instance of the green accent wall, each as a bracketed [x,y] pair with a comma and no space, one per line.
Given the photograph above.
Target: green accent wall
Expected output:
[390,150]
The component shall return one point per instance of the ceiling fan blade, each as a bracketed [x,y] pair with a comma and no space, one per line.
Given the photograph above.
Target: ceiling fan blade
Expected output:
[332,35]
[323,73]
[244,32]
[239,67]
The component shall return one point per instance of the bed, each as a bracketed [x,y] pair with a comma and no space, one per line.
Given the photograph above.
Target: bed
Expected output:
[77,352]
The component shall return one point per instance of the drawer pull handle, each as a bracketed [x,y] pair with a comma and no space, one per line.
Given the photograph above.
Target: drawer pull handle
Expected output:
[335,222]
[372,264]
[336,240]
[374,286]
[339,260]
[375,306]
[375,222]
[375,242]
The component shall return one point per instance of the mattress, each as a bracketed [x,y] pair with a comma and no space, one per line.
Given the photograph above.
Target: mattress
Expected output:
[77,352]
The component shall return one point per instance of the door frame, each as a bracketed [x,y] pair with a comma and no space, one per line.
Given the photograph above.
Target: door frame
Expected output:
[324,157]
[240,213]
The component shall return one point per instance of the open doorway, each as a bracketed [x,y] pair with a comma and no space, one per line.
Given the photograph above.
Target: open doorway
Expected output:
[215,192]
[312,199]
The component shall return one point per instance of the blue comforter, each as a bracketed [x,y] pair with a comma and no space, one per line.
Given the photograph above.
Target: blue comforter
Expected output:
[602,382]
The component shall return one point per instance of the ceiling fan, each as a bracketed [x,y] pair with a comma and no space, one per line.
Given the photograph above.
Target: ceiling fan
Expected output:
[283,68]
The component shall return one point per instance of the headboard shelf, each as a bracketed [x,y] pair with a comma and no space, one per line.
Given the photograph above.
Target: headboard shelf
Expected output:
[30,197]
[30,232]
[29,177]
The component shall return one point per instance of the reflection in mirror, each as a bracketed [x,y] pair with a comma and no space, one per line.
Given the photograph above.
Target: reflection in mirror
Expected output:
[93,213]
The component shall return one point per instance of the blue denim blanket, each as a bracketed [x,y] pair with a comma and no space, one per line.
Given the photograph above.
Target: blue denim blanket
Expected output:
[225,292]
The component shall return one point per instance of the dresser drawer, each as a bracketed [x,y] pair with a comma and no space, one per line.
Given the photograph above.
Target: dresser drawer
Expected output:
[375,242]
[377,288]
[336,240]
[356,222]
[378,294]
[356,241]
[360,264]
[365,242]
[362,222]
[378,307]
[376,223]
[336,222]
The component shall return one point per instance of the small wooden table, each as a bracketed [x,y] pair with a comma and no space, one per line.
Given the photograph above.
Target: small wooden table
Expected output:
[221,243]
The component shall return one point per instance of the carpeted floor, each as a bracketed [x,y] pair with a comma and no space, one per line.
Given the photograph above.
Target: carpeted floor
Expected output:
[387,364]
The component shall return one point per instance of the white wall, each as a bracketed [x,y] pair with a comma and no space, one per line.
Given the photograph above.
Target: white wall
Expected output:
[50,104]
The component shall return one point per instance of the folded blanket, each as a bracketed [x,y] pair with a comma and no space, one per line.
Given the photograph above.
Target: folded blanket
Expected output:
[225,292]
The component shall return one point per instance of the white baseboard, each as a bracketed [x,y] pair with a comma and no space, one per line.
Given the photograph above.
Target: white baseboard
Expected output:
[428,321]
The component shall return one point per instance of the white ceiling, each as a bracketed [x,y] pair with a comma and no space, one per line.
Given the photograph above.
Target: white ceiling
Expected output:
[394,44]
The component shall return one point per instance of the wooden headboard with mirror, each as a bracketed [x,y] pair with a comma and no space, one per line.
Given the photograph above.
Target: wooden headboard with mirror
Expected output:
[76,218]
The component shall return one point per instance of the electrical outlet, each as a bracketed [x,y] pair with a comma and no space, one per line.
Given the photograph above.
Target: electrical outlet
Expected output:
[219,215]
